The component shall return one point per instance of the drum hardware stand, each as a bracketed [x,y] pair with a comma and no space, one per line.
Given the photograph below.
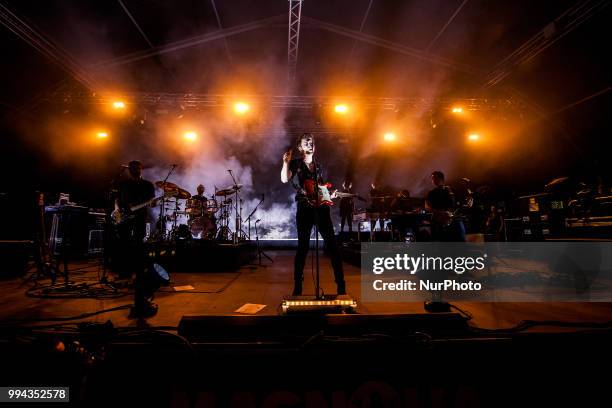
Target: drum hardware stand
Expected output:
[162,220]
[237,230]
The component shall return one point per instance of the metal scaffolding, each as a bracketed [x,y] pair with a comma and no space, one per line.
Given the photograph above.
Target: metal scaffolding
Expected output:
[295,16]
[550,34]
[192,101]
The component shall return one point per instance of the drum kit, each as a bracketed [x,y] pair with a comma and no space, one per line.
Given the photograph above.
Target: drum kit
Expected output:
[183,216]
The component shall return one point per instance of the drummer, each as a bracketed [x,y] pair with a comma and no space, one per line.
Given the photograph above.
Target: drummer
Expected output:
[196,205]
[200,196]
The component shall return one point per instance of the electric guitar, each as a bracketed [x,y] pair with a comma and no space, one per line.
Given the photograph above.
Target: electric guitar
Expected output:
[445,217]
[324,196]
[119,216]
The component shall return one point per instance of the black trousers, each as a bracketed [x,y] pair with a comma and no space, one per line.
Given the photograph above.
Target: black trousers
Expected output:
[305,219]
[346,217]
[132,257]
[455,232]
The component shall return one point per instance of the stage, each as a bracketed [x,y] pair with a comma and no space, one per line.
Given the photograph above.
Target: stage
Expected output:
[223,292]
[198,352]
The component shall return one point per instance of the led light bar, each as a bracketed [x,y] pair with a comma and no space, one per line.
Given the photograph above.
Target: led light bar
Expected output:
[312,304]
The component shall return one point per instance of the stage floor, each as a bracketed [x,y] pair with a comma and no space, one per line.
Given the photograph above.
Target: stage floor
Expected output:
[221,293]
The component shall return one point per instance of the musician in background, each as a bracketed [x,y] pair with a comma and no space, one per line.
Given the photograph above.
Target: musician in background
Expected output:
[494,224]
[305,177]
[401,207]
[377,206]
[441,201]
[200,194]
[347,207]
[133,191]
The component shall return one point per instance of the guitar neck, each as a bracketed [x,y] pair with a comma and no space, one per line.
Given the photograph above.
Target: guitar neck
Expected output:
[143,205]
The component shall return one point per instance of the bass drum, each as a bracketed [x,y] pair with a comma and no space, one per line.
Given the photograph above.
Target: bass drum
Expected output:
[203,227]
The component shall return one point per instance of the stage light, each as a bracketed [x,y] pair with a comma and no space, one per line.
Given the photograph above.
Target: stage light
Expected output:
[241,108]
[389,137]
[341,108]
[119,105]
[473,137]
[190,136]
[102,135]
[457,109]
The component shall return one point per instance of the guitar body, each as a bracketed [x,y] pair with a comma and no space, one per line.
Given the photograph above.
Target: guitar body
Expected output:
[312,190]
[122,215]
[444,218]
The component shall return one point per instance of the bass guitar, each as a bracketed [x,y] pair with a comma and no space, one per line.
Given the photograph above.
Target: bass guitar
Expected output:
[120,216]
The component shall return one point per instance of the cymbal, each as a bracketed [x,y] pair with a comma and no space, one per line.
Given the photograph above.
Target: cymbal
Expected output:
[225,192]
[182,194]
[166,185]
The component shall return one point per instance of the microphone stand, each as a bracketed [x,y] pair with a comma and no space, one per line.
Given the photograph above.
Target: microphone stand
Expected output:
[259,251]
[251,216]
[316,218]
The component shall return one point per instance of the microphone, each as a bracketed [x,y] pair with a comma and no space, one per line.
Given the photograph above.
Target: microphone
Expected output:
[257,221]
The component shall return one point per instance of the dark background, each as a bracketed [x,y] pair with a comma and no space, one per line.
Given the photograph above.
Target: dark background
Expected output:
[44,144]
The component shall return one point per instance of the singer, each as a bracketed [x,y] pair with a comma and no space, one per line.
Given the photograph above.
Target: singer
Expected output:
[311,209]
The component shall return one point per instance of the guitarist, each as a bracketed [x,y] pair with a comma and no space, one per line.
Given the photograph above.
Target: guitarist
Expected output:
[441,201]
[134,190]
[305,177]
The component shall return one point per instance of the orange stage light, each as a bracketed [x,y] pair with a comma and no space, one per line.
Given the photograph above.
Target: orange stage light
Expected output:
[119,105]
[457,109]
[341,108]
[190,136]
[241,108]
[473,137]
[389,136]
[102,135]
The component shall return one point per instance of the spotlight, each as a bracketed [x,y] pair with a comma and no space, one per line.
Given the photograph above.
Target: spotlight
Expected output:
[119,105]
[241,108]
[190,136]
[341,108]
[389,136]
[473,137]
[457,109]
[102,135]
